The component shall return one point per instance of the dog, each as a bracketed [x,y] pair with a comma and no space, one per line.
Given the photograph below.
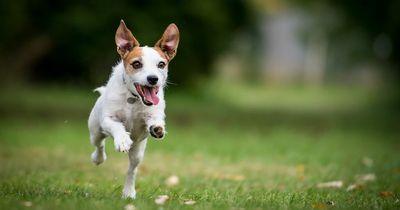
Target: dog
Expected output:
[131,105]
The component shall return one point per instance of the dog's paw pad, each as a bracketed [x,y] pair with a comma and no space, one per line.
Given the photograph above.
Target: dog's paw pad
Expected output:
[157,132]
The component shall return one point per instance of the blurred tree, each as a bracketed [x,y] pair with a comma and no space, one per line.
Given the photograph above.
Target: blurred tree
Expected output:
[73,41]
[367,29]
[380,20]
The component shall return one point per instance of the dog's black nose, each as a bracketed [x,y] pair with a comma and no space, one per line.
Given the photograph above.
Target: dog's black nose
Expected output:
[153,79]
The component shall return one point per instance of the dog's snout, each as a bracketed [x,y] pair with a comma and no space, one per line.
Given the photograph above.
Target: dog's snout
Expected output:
[152,79]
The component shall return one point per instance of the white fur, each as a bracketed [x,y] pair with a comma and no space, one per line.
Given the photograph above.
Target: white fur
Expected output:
[128,124]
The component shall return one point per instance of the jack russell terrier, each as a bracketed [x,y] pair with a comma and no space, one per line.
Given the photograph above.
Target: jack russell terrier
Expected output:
[131,106]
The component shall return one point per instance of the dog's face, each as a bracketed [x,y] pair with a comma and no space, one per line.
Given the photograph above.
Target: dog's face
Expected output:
[146,68]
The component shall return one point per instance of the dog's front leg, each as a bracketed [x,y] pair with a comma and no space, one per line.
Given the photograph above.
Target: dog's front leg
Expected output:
[122,140]
[156,124]
[135,157]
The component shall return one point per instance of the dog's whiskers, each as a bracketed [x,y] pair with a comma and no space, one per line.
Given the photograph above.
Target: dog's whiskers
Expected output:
[170,83]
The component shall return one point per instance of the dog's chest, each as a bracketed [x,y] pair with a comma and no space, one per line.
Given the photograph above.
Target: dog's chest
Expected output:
[133,119]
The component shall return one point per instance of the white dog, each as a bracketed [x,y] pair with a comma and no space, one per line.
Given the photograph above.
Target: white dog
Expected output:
[132,104]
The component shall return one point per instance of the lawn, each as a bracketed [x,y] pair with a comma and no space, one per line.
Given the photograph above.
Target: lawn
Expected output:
[232,147]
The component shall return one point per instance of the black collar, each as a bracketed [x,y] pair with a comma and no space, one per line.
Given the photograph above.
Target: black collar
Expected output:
[136,96]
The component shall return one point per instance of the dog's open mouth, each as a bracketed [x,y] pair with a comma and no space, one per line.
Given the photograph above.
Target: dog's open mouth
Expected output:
[148,94]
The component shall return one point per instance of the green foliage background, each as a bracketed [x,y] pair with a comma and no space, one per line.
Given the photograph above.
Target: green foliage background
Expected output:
[74,40]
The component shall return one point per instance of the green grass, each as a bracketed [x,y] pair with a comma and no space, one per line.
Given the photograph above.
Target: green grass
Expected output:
[232,148]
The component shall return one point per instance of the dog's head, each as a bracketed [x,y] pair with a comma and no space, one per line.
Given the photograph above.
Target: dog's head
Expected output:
[146,68]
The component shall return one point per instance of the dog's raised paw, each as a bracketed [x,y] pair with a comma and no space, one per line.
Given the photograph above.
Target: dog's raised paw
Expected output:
[157,132]
[123,143]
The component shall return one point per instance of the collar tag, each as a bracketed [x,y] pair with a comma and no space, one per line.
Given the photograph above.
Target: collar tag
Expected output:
[131,100]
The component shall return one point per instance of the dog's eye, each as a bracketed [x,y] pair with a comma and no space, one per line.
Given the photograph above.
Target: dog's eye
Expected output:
[136,65]
[161,65]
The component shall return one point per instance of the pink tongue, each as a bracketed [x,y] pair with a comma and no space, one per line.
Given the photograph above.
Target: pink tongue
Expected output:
[150,95]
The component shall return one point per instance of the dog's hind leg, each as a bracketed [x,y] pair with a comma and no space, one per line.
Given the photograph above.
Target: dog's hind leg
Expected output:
[97,137]
[136,154]
[99,154]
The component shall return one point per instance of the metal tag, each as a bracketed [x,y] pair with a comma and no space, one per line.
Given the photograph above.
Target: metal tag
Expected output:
[131,100]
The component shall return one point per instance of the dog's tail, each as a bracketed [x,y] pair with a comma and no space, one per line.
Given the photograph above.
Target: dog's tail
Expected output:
[100,90]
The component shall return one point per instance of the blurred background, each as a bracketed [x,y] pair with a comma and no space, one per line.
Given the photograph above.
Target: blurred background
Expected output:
[273,82]
[261,41]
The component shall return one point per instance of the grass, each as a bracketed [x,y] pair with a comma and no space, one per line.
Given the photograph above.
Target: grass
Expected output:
[231,147]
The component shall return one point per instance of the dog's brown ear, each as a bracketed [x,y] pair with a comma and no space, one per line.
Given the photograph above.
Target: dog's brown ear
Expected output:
[124,39]
[169,41]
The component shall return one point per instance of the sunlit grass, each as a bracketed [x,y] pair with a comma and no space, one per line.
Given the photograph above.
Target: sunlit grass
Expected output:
[226,155]
[297,98]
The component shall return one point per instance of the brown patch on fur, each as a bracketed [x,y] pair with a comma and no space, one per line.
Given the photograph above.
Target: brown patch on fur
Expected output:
[134,54]
[162,54]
